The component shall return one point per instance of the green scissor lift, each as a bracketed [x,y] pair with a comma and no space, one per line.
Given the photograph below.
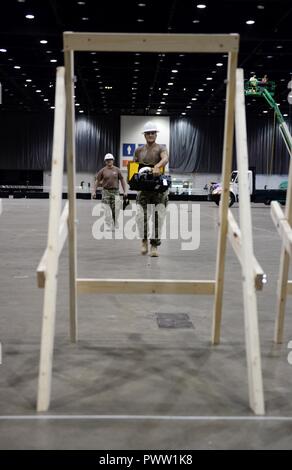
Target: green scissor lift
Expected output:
[268,92]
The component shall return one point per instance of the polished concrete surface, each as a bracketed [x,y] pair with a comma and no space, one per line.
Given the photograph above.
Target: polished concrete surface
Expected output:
[129,384]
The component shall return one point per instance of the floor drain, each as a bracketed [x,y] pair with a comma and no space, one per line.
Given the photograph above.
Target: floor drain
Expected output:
[173,320]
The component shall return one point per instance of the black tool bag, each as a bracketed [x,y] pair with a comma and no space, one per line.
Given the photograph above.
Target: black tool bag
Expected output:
[148,182]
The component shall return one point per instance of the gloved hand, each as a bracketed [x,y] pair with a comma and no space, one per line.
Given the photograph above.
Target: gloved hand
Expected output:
[126,201]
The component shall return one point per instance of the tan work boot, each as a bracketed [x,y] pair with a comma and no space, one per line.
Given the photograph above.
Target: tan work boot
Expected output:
[144,248]
[154,252]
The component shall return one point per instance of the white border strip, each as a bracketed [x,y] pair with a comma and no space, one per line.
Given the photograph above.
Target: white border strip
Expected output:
[142,418]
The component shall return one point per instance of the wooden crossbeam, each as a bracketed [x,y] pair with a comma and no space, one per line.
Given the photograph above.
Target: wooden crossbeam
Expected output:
[124,42]
[145,286]
[63,232]
[234,235]
[282,225]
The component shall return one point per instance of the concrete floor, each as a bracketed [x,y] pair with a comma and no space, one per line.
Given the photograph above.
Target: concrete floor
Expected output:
[129,384]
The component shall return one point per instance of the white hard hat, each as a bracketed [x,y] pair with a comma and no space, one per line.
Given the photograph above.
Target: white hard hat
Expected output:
[109,156]
[150,127]
[146,169]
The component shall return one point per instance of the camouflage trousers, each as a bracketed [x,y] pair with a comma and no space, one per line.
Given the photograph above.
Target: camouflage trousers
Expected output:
[112,205]
[151,203]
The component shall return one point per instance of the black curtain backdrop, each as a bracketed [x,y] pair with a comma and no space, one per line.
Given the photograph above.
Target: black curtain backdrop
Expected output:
[196,145]
[26,141]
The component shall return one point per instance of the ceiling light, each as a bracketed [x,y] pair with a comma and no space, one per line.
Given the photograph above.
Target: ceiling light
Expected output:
[48,52]
[250,22]
[170,83]
[81,111]
[17,67]
[183,114]
[279,47]
[85,18]
[52,107]
[141,5]
[53,60]
[219,64]
[285,114]
[188,107]
[3,50]
[265,111]
[29,17]
[194,99]
[200,89]
[28,80]
[196,21]
[162,102]
[81,3]
[46,99]
[77,104]
[165,94]
[174,71]
[140,20]
[44,41]
[201,6]
[260,7]
[209,78]
[38,91]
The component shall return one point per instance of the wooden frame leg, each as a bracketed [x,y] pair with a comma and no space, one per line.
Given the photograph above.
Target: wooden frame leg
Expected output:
[70,151]
[255,382]
[50,295]
[224,204]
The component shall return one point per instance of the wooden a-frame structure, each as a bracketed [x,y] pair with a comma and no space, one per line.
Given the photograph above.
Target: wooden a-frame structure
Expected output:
[241,238]
[283,223]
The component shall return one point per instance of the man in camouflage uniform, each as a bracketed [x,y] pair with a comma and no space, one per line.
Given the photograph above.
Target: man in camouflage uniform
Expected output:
[108,177]
[155,155]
